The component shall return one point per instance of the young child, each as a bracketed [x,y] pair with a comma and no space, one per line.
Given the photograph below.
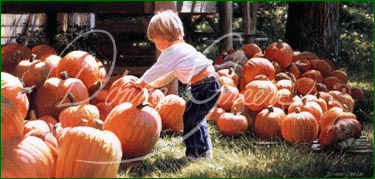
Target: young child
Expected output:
[181,60]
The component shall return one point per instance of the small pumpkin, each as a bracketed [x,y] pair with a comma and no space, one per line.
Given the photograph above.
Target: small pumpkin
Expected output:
[24,65]
[227,96]
[214,114]
[308,106]
[11,55]
[306,86]
[280,52]
[171,109]
[251,49]
[268,123]
[313,74]
[42,50]
[232,124]
[229,73]
[322,66]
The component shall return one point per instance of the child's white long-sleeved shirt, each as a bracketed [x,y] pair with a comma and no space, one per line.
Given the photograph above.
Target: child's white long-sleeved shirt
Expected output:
[180,60]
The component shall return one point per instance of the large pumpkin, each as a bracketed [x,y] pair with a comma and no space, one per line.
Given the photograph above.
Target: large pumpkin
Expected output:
[42,50]
[332,114]
[232,124]
[299,128]
[12,54]
[24,65]
[268,123]
[86,152]
[340,130]
[121,92]
[260,94]
[171,109]
[36,74]
[52,97]
[257,66]
[27,157]
[308,106]
[280,52]
[137,127]
[81,65]
[12,122]
[14,91]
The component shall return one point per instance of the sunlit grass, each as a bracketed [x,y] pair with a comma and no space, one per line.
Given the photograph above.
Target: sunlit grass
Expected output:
[243,157]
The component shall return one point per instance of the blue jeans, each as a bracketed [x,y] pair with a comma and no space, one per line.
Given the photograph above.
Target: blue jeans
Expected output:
[202,98]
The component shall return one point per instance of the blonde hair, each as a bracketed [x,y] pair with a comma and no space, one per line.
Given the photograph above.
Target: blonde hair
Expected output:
[166,25]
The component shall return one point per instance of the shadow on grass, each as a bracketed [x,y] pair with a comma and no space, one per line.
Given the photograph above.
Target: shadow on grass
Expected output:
[166,164]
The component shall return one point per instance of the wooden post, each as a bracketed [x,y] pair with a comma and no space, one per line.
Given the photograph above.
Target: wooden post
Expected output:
[250,19]
[51,25]
[226,21]
[172,87]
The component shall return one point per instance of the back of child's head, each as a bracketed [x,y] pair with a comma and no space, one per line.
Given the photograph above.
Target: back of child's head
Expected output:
[166,25]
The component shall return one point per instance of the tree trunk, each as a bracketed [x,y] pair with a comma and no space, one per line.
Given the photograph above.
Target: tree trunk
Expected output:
[313,27]
[226,21]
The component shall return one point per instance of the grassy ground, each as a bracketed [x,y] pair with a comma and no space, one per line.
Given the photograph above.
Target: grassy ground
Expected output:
[243,157]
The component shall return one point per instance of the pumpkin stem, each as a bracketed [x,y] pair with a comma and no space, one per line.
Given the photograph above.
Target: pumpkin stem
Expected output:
[304,101]
[298,109]
[72,99]
[32,57]
[33,115]
[141,106]
[270,109]
[318,95]
[230,72]
[279,43]
[99,124]
[83,122]
[64,75]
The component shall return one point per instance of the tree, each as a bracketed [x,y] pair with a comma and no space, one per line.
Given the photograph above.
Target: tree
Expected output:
[313,27]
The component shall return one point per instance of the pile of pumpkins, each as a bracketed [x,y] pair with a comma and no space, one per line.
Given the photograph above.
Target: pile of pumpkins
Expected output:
[66,117]
[285,94]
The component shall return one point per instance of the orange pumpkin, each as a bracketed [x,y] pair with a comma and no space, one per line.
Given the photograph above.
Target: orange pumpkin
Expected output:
[27,157]
[231,124]
[268,123]
[137,127]
[171,109]
[43,49]
[121,92]
[71,116]
[238,104]
[260,94]
[306,86]
[345,99]
[299,128]
[341,75]
[52,62]
[332,114]
[340,130]
[227,96]
[11,55]
[285,84]
[308,106]
[313,74]
[251,49]
[293,68]
[87,152]
[52,97]
[285,98]
[24,65]
[280,52]
[104,110]
[322,66]
[229,73]
[11,120]
[35,127]
[331,82]
[226,81]
[155,97]
[14,91]
[214,114]
[36,74]
[256,66]
[81,65]
[356,92]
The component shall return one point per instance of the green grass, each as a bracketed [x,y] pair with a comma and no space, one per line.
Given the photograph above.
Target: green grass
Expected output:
[241,157]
